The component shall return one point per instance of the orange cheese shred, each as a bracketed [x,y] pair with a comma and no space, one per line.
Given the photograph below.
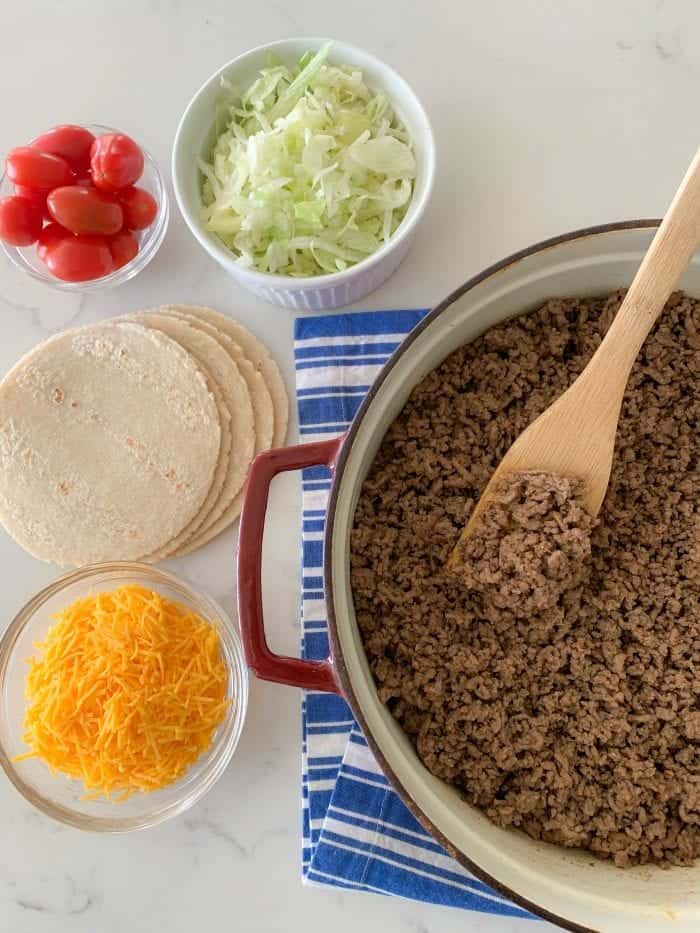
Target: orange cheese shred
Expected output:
[126,693]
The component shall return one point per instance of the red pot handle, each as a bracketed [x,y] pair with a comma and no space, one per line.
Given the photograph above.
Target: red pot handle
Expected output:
[312,675]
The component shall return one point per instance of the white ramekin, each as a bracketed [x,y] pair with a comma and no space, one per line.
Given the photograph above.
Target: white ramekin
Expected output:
[194,138]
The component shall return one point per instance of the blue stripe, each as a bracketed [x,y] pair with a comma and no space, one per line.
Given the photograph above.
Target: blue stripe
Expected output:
[316,473]
[406,860]
[312,552]
[358,739]
[396,813]
[345,349]
[318,804]
[369,360]
[397,879]
[358,797]
[333,390]
[316,525]
[413,864]
[357,324]
[336,409]
[323,774]
[374,826]
[329,730]
[381,828]
[313,583]
[320,427]
[326,760]
[366,775]
[316,646]
[331,429]
[312,487]
[326,707]
[347,885]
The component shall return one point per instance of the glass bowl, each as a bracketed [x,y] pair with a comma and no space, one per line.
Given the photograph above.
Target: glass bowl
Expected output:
[150,239]
[62,797]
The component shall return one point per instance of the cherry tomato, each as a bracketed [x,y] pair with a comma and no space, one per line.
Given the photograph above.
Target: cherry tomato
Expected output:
[115,161]
[140,208]
[36,169]
[20,221]
[70,142]
[36,196]
[52,234]
[85,210]
[80,258]
[123,247]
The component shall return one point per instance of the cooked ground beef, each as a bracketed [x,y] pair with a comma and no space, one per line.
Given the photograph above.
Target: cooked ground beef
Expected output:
[529,546]
[581,726]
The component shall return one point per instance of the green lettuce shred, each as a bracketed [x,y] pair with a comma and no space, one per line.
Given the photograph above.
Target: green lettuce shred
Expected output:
[311,171]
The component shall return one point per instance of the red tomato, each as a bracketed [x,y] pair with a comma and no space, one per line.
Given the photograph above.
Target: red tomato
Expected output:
[52,234]
[115,161]
[35,195]
[80,258]
[123,247]
[70,142]
[85,210]
[140,208]
[20,221]
[27,166]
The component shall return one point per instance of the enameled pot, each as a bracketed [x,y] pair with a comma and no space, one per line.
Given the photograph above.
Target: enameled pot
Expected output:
[567,887]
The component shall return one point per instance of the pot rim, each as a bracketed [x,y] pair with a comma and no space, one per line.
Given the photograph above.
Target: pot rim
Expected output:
[340,669]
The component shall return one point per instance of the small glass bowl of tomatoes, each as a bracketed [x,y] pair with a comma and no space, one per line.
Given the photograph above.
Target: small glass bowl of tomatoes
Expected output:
[122,240]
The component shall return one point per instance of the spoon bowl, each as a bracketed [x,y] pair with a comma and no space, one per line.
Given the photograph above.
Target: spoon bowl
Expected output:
[575,436]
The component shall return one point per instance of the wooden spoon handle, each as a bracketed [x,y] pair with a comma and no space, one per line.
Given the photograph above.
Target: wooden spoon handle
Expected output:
[668,256]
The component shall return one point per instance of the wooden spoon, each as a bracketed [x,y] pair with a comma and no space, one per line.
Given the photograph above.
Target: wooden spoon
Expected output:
[575,436]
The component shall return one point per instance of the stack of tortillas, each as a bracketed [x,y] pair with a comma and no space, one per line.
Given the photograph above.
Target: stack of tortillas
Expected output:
[132,439]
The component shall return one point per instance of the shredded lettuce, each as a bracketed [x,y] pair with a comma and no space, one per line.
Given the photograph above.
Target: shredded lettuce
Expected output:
[311,171]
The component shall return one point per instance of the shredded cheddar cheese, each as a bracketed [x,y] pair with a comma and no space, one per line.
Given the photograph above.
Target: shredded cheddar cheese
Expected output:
[127,692]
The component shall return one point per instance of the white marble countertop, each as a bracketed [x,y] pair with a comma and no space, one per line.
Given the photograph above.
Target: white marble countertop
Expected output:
[549,115]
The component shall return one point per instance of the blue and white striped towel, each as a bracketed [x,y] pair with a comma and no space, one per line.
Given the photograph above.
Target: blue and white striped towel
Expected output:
[357,833]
